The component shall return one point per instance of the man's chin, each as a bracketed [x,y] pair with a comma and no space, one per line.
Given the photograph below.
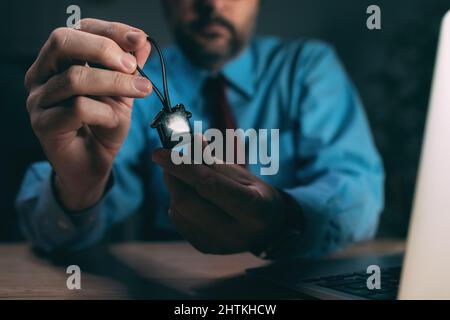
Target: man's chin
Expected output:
[213,48]
[209,52]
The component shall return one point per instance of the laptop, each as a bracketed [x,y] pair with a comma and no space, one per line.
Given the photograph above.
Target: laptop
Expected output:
[423,271]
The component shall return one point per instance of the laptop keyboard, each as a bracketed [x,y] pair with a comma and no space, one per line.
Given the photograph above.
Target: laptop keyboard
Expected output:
[356,284]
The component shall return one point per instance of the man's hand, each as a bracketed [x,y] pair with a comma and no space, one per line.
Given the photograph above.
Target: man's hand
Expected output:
[221,208]
[80,113]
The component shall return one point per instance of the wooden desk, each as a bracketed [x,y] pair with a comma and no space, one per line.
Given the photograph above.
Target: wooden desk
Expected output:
[159,270]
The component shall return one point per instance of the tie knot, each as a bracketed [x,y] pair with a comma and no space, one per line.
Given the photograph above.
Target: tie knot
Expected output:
[215,87]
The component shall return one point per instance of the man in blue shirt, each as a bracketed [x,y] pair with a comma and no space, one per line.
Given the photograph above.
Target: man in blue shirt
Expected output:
[103,156]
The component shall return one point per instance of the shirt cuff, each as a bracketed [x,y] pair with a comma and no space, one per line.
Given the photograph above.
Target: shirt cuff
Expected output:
[292,230]
[60,226]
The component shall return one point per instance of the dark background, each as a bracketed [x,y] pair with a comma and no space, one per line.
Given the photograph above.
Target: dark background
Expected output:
[392,69]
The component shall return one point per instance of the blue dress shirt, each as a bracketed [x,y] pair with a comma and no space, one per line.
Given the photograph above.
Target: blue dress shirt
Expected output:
[328,161]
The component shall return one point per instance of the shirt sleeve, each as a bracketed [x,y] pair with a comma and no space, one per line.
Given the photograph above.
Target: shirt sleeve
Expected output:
[49,227]
[340,173]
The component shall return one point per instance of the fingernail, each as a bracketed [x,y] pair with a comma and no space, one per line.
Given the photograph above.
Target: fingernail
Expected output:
[133,36]
[129,62]
[142,84]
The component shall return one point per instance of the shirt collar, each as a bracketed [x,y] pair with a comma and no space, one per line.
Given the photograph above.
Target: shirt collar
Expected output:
[238,72]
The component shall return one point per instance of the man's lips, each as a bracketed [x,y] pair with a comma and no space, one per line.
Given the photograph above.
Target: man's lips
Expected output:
[213,29]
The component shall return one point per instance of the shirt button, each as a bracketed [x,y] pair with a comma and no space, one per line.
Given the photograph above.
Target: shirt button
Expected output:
[62,225]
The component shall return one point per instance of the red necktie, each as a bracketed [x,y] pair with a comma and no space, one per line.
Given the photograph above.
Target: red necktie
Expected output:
[218,107]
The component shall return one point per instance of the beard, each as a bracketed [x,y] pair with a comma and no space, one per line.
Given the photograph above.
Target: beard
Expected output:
[209,49]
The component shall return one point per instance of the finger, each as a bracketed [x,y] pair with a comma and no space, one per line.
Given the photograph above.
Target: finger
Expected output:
[198,210]
[67,46]
[130,39]
[190,232]
[79,111]
[82,80]
[225,193]
[233,171]
[143,54]
[206,241]
[127,37]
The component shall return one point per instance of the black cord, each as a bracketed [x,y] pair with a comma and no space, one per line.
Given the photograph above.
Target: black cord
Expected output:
[158,93]
[166,99]
[163,68]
